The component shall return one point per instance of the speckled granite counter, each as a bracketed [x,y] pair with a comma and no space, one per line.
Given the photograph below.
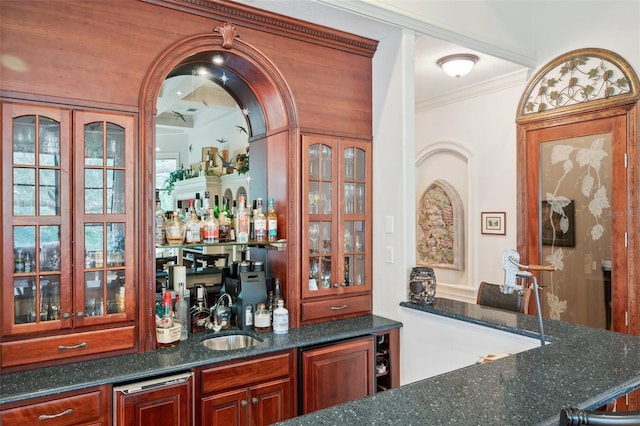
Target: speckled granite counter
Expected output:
[162,362]
[581,366]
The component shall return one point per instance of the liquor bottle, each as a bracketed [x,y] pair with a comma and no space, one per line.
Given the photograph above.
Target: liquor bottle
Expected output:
[272,222]
[206,205]
[224,222]
[233,221]
[197,205]
[262,320]
[194,232]
[182,314]
[216,207]
[271,303]
[167,335]
[160,237]
[242,231]
[199,313]
[259,223]
[210,229]
[175,230]
[180,211]
[252,212]
[280,319]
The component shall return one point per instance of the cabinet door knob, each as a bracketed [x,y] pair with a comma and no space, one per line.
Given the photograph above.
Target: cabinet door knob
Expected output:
[243,403]
[254,400]
[80,314]
[66,315]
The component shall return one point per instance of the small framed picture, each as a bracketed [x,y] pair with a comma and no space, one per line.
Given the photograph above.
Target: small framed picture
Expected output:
[494,223]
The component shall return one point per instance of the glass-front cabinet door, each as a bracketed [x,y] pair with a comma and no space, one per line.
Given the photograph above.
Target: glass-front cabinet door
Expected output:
[36,219]
[336,223]
[103,211]
[68,241]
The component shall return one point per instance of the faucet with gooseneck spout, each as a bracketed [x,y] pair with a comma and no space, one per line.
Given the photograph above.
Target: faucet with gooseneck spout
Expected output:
[222,317]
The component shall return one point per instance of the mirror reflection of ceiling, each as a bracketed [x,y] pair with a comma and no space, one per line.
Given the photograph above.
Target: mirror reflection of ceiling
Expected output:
[189,101]
[202,85]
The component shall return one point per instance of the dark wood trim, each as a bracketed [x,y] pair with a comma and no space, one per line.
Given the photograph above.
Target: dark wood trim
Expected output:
[273,23]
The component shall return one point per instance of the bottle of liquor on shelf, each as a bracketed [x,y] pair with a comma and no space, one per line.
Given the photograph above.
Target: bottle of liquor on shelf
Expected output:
[272,222]
[199,313]
[232,221]
[180,210]
[280,319]
[206,205]
[262,320]
[182,313]
[197,205]
[252,212]
[216,207]
[175,230]
[224,222]
[210,229]
[160,237]
[242,231]
[259,223]
[194,231]
[167,331]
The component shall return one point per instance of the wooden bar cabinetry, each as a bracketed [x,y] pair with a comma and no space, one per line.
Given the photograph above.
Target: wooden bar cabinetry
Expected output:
[68,226]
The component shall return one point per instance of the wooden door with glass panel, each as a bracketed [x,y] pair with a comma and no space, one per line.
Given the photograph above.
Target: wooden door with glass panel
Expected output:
[36,219]
[336,223]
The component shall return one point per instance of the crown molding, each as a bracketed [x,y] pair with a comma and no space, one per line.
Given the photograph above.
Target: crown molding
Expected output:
[518,78]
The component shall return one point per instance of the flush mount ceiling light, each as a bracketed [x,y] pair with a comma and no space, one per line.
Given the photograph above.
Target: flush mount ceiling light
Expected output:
[457,65]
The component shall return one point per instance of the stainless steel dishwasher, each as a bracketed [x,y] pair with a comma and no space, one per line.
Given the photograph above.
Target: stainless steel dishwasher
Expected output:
[161,401]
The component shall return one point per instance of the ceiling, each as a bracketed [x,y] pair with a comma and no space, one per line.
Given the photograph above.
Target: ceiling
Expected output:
[431,83]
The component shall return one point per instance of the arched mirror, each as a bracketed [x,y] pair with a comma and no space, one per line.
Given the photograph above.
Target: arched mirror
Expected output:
[574,138]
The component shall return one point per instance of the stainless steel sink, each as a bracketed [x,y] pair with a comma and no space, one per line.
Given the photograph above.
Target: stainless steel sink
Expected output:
[231,341]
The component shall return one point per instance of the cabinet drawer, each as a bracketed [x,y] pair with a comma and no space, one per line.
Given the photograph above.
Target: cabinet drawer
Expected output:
[84,407]
[335,307]
[246,372]
[67,346]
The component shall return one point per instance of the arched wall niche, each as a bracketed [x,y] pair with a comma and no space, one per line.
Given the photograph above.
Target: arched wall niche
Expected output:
[458,169]
[274,134]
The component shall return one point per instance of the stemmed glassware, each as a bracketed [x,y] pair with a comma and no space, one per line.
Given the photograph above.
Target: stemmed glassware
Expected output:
[326,161]
[313,160]
[314,231]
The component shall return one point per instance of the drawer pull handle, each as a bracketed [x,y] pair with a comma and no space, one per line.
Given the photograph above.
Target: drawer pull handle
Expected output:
[78,346]
[53,416]
[338,308]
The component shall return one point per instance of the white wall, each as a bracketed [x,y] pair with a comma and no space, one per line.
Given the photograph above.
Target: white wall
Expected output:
[484,125]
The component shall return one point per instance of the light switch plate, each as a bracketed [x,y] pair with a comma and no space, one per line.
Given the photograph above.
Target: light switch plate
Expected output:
[388,224]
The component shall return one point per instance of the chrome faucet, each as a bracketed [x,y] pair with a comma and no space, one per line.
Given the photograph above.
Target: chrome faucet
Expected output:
[214,310]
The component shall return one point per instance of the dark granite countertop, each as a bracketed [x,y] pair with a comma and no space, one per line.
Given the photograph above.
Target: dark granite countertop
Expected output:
[580,366]
[188,354]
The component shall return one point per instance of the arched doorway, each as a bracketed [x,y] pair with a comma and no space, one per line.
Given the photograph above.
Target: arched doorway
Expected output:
[259,88]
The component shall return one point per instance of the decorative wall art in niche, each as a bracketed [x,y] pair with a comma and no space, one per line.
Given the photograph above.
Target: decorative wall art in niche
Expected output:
[440,230]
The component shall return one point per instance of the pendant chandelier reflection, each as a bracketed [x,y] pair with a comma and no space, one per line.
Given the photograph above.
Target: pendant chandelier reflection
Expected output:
[457,65]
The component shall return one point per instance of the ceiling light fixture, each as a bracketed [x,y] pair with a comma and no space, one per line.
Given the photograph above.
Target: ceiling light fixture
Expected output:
[457,65]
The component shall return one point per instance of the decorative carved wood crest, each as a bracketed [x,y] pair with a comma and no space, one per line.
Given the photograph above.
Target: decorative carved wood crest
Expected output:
[228,32]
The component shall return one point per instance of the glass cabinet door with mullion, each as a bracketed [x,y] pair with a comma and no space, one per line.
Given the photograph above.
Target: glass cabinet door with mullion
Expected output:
[319,221]
[36,271]
[336,224]
[104,218]
[355,221]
